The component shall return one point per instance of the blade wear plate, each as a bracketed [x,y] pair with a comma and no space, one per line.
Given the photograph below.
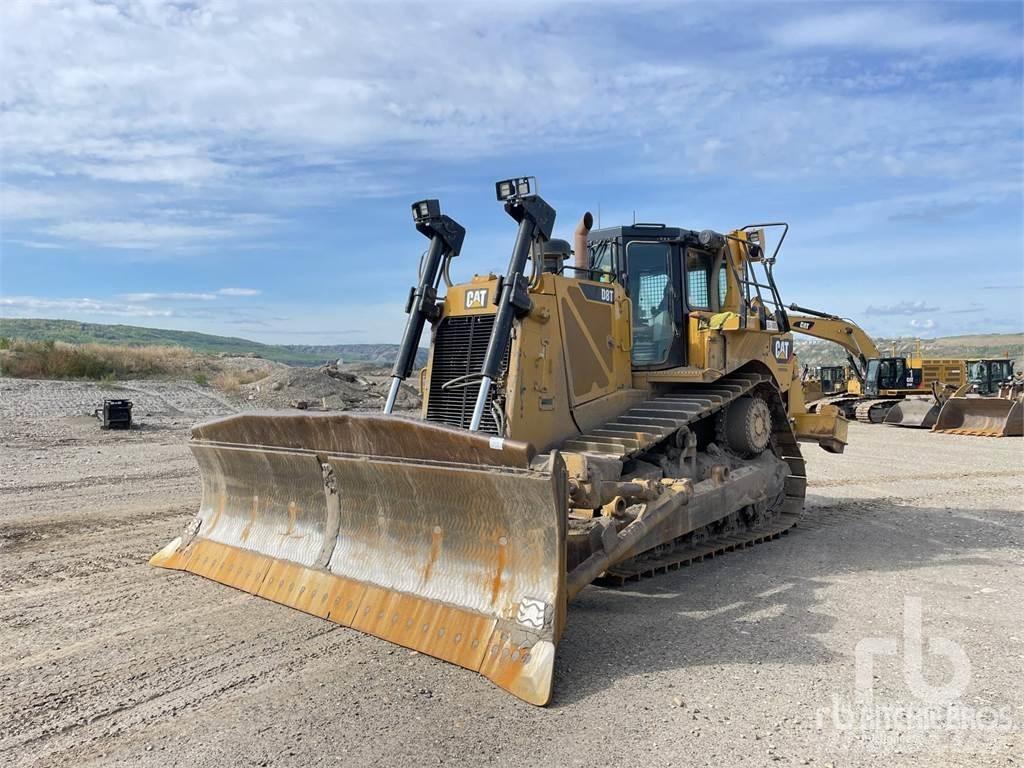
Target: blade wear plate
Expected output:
[461,561]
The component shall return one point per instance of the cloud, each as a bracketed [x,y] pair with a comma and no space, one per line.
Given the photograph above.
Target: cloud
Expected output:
[39,245]
[171,229]
[147,130]
[148,297]
[900,308]
[35,305]
[923,323]
[896,29]
[180,296]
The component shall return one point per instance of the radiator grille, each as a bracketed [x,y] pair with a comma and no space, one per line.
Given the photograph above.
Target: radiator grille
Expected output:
[460,345]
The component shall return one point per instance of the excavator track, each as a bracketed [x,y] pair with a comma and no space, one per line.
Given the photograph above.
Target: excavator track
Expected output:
[641,428]
[874,411]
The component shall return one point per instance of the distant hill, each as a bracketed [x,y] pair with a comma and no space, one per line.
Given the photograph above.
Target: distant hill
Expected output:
[810,352]
[816,352]
[83,333]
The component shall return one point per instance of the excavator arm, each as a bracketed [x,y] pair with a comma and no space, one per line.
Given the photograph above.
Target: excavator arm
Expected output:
[847,334]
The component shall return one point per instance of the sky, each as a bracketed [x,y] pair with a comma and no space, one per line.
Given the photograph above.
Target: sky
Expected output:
[246,168]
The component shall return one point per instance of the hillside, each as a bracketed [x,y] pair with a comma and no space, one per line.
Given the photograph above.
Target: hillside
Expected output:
[810,352]
[816,352]
[83,333]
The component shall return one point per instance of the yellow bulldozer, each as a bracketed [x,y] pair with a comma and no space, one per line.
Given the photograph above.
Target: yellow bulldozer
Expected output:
[615,416]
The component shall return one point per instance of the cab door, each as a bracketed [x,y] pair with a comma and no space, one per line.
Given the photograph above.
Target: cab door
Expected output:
[652,282]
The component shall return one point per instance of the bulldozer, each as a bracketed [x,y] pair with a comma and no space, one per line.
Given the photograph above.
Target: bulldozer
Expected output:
[990,404]
[601,419]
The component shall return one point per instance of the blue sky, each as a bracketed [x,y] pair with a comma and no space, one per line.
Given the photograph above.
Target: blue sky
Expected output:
[246,168]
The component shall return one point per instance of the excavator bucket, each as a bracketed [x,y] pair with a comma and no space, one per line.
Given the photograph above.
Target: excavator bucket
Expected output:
[448,542]
[985,416]
[913,412]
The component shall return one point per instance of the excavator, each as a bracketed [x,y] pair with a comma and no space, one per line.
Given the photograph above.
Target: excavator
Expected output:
[601,419]
[882,389]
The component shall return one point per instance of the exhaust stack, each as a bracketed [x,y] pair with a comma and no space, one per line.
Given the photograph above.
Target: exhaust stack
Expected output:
[580,241]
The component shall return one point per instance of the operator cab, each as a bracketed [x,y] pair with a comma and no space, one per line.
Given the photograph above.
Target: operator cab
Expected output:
[890,373]
[833,378]
[667,274]
[987,375]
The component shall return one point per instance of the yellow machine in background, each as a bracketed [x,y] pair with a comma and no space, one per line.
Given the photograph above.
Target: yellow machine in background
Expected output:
[641,412]
[881,388]
[990,404]
[825,381]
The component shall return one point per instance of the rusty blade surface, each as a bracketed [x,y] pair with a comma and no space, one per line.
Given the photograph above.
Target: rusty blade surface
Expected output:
[913,412]
[981,416]
[445,542]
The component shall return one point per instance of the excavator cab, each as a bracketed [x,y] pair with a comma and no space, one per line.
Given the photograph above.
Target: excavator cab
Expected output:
[885,373]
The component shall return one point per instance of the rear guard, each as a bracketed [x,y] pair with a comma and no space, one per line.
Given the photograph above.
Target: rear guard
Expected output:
[984,416]
[440,540]
[913,412]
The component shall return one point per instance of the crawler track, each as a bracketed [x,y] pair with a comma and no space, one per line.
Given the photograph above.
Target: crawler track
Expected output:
[874,411]
[643,427]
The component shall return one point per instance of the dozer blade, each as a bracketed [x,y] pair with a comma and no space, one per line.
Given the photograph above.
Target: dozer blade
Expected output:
[440,540]
[913,412]
[984,416]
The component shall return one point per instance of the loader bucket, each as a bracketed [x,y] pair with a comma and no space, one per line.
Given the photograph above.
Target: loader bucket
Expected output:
[440,540]
[913,412]
[985,416]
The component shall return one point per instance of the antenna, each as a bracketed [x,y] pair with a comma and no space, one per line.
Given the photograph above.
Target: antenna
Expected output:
[634,217]
[598,215]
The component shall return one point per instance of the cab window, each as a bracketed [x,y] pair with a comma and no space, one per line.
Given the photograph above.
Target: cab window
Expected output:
[698,279]
[651,293]
[723,283]
[602,261]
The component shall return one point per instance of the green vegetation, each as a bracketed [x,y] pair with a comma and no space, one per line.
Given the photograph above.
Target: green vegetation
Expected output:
[56,360]
[74,332]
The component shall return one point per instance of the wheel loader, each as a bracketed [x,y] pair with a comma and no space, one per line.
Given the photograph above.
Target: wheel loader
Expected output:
[614,415]
[988,405]
[824,381]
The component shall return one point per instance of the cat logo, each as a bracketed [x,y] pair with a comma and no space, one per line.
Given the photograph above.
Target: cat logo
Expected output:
[804,325]
[782,348]
[476,298]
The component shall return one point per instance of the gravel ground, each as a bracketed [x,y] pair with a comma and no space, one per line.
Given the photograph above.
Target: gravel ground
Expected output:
[747,659]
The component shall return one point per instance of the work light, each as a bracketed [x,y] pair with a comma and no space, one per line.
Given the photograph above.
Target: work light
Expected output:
[425,210]
[510,188]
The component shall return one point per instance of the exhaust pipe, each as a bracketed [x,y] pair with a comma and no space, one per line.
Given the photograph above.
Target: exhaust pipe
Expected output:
[580,241]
